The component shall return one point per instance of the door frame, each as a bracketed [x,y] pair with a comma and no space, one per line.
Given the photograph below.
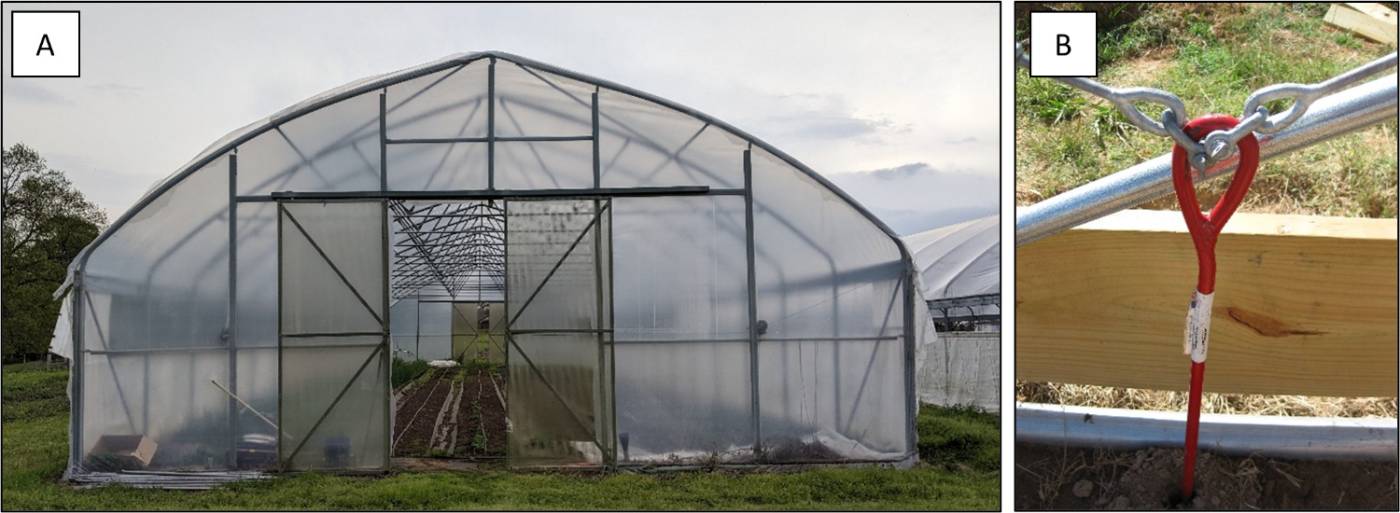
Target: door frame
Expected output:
[382,351]
[604,432]
[594,193]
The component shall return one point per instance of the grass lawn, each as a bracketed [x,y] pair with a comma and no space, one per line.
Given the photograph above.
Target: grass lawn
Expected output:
[960,450]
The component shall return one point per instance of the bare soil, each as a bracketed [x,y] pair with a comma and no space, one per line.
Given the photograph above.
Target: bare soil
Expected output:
[1079,479]
[452,413]
[481,417]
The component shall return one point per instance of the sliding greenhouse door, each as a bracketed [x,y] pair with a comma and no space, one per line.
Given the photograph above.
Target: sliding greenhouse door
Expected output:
[334,335]
[559,311]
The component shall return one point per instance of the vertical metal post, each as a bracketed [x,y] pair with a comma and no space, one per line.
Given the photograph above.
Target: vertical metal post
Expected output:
[753,302]
[505,307]
[76,421]
[609,459]
[612,337]
[606,394]
[383,141]
[910,394]
[385,353]
[280,396]
[491,124]
[597,169]
[232,308]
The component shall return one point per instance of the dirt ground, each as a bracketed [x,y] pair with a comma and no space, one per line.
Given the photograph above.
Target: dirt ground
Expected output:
[452,413]
[1079,479]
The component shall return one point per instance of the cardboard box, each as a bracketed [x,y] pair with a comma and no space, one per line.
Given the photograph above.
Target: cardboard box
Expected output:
[122,452]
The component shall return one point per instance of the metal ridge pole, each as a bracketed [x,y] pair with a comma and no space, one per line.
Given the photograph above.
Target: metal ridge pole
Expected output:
[1350,110]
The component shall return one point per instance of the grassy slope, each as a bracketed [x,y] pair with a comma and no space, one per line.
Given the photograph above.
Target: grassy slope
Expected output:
[1212,56]
[962,446]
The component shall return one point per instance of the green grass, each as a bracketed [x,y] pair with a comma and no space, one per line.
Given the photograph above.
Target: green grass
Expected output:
[957,437]
[34,390]
[960,445]
[405,371]
[1212,56]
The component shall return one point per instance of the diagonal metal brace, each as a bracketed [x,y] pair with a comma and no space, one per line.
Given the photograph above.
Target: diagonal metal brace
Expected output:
[372,355]
[582,233]
[573,414]
[321,252]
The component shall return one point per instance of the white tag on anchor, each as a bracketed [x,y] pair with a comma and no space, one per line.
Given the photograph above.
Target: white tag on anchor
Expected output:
[1197,335]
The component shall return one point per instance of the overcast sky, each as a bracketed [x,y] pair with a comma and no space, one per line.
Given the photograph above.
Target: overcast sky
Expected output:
[895,103]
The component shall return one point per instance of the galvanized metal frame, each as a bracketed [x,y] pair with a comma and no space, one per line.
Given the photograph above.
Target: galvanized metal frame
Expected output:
[752,285]
[1332,116]
[491,194]
[232,328]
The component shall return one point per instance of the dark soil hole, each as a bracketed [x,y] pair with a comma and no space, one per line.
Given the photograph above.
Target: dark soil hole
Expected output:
[1150,479]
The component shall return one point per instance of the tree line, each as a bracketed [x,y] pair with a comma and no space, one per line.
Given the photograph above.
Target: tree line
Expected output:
[47,221]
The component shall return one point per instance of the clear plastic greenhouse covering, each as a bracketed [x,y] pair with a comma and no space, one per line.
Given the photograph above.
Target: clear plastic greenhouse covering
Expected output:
[958,261]
[674,290]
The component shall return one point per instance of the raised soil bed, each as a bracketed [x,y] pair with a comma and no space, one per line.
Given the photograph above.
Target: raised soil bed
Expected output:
[452,413]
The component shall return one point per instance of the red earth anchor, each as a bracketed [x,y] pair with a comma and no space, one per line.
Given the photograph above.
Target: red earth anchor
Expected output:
[1205,229]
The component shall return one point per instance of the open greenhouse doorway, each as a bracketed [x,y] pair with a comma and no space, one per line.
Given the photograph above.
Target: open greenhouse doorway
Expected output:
[507,305]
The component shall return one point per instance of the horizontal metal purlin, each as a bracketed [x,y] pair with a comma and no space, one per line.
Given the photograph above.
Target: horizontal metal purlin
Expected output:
[685,190]
[829,339]
[548,331]
[335,334]
[683,341]
[454,140]
[202,349]
[760,340]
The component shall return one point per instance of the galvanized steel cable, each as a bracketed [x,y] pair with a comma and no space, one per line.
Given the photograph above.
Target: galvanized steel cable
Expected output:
[1218,144]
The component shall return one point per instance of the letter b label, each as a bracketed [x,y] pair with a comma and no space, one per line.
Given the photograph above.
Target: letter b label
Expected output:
[1063,44]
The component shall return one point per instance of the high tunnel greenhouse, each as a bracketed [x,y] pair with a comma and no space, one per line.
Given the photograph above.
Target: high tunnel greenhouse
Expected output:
[661,287]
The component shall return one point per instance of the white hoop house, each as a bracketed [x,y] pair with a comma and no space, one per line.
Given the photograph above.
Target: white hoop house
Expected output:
[665,281]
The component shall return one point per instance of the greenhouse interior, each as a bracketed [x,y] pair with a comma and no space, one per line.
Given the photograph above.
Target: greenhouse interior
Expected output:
[636,283]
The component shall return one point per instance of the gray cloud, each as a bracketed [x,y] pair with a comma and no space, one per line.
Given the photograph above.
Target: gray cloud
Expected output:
[916,196]
[29,90]
[116,88]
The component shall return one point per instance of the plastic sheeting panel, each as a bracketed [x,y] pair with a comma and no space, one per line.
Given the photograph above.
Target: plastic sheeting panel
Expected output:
[478,331]
[962,368]
[334,359]
[559,391]
[831,363]
[434,330]
[160,284]
[683,370]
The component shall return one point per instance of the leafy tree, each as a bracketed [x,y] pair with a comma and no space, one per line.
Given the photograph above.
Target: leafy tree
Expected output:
[46,223]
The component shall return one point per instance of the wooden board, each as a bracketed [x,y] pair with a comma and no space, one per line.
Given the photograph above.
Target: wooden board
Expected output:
[1304,305]
[1371,21]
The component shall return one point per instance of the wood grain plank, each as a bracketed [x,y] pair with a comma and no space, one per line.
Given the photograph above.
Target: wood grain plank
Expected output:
[1304,305]
[1371,21]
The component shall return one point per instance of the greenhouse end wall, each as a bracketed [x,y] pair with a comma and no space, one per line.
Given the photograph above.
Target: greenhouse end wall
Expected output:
[752,305]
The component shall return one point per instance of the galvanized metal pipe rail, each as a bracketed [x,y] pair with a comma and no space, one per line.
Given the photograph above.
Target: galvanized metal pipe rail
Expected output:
[1272,436]
[1332,116]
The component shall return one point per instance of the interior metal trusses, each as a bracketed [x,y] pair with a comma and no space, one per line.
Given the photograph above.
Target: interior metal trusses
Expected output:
[458,246]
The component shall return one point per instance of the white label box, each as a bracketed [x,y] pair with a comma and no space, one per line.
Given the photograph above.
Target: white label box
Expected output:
[45,44]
